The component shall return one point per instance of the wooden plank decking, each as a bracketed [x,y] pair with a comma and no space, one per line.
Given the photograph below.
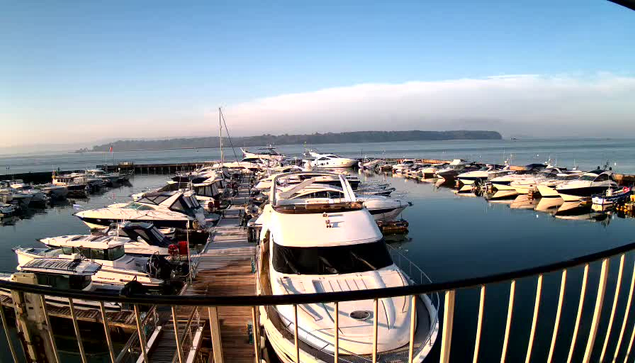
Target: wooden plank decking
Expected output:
[225,267]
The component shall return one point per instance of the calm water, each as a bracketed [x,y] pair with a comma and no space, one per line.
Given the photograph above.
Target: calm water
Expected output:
[586,153]
[451,237]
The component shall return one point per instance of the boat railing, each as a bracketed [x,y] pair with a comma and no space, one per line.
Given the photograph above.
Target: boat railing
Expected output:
[417,277]
[596,332]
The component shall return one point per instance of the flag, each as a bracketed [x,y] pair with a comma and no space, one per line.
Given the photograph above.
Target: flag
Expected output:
[110,148]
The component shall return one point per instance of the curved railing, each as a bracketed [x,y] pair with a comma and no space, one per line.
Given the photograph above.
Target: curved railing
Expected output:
[449,290]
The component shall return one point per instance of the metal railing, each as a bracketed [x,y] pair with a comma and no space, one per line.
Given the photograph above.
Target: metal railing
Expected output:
[596,345]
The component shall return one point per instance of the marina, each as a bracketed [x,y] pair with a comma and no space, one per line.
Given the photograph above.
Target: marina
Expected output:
[231,262]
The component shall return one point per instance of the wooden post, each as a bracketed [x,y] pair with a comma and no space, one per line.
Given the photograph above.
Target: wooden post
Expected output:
[214,327]
[31,322]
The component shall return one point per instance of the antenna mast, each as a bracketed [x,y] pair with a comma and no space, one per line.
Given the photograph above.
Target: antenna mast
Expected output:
[220,137]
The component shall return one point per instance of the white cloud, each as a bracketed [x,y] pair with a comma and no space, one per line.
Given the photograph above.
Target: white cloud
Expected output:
[601,105]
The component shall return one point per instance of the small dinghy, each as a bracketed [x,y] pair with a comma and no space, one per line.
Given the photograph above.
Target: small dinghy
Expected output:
[612,196]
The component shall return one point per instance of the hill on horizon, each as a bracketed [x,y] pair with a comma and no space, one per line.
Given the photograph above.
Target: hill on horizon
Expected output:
[286,139]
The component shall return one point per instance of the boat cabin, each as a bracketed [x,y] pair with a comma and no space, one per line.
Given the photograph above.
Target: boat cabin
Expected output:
[62,273]
[178,202]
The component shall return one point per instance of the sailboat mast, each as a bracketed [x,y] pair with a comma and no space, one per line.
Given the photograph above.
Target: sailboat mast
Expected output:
[220,137]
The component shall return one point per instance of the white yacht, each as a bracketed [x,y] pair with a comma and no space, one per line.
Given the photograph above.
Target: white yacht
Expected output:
[265,153]
[108,178]
[477,177]
[431,171]
[61,273]
[54,192]
[380,207]
[37,196]
[589,184]
[327,245]
[331,161]
[139,239]
[453,169]
[117,268]
[76,186]
[403,166]
[293,179]
[206,191]
[163,209]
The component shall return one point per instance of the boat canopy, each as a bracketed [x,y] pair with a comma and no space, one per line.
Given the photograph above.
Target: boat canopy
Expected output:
[61,266]
[323,229]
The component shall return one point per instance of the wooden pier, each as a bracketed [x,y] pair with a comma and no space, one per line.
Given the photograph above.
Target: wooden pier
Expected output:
[225,267]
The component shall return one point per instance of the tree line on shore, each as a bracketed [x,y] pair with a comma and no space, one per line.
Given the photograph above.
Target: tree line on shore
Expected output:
[286,139]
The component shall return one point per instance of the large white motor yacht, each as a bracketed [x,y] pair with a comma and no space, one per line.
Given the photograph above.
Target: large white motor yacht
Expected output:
[163,209]
[265,153]
[117,268]
[332,245]
[380,207]
[139,239]
[331,161]
[61,273]
[589,184]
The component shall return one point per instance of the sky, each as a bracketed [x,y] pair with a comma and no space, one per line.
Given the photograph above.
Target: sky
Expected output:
[77,72]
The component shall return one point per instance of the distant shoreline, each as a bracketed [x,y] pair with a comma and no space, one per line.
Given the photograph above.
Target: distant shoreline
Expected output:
[286,139]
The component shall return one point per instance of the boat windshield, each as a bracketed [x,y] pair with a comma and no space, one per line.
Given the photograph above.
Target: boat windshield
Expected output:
[588,177]
[137,206]
[152,236]
[183,205]
[331,260]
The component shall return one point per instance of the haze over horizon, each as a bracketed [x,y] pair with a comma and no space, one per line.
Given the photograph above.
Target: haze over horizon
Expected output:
[80,73]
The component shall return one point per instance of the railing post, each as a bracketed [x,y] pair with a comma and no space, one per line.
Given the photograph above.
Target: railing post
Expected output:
[5,326]
[49,329]
[627,311]
[585,277]
[214,327]
[618,284]
[142,336]
[556,323]
[375,328]
[82,353]
[336,333]
[175,323]
[256,324]
[508,323]
[296,330]
[413,327]
[597,311]
[534,319]
[448,321]
[111,349]
[479,324]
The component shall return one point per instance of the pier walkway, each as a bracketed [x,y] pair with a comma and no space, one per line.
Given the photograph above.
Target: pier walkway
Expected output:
[225,267]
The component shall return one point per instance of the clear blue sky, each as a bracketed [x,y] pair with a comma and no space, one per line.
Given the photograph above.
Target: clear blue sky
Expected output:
[76,63]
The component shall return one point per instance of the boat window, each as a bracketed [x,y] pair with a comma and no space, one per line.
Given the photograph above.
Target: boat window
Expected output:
[97,254]
[153,237]
[137,206]
[115,253]
[331,260]
[179,206]
[67,250]
[602,177]
[588,177]
[79,282]
[155,199]
[63,281]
